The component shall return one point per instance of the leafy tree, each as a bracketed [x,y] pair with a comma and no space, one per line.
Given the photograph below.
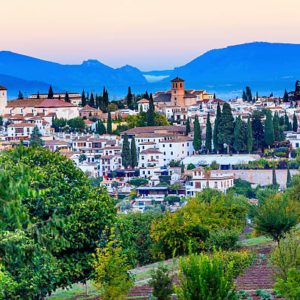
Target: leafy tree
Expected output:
[208,134]
[249,136]
[276,127]
[295,123]
[112,107]
[20,95]
[257,130]
[277,216]
[197,141]
[138,182]
[111,267]
[126,153]
[67,98]
[76,124]
[100,128]
[269,130]
[225,136]
[50,220]
[82,157]
[133,154]
[150,113]
[35,138]
[83,99]
[50,93]
[286,96]
[109,124]
[216,143]
[187,127]
[58,124]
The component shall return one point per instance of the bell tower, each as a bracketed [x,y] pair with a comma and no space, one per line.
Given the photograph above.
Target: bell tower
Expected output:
[177,91]
[3,99]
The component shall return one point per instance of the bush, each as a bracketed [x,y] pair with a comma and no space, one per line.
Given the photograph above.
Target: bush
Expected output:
[226,239]
[205,277]
[191,166]
[161,283]
[172,199]
[138,182]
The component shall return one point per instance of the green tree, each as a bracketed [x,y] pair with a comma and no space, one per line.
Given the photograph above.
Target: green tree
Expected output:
[288,177]
[126,154]
[100,128]
[286,121]
[83,99]
[217,146]
[269,130]
[133,154]
[105,101]
[109,123]
[249,136]
[129,98]
[35,138]
[295,123]
[197,141]
[151,113]
[20,95]
[208,134]
[187,127]
[92,100]
[225,136]
[50,93]
[274,180]
[76,124]
[244,96]
[38,95]
[248,94]
[257,130]
[285,96]
[238,142]
[276,127]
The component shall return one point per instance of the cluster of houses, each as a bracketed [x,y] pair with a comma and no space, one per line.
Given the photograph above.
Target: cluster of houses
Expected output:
[164,152]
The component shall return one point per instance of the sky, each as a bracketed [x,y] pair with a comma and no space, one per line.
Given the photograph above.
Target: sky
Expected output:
[148,34]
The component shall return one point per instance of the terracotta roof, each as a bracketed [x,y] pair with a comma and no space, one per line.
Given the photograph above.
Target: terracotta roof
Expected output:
[22,125]
[26,102]
[88,122]
[143,101]
[2,88]
[154,129]
[151,151]
[87,108]
[177,79]
[54,103]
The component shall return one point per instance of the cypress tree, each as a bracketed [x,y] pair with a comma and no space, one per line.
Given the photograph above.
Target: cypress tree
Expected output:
[126,157]
[133,154]
[225,135]
[197,141]
[100,128]
[214,96]
[249,136]
[67,98]
[244,97]
[208,134]
[92,101]
[216,129]
[281,121]
[187,127]
[109,124]
[20,95]
[50,93]
[288,177]
[38,95]
[276,127]
[285,96]
[35,138]
[257,130]
[238,142]
[269,130]
[151,114]
[83,99]
[248,94]
[274,181]
[286,122]
[129,98]
[146,96]
[105,100]
[295,123]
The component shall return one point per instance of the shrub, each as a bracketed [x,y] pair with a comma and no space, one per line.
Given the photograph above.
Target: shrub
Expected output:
[205,277]
[191,166]
[161,283]
[172,199]
[138,181]
[226,239]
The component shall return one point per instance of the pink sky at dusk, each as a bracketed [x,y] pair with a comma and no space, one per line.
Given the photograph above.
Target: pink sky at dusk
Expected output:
[156,34]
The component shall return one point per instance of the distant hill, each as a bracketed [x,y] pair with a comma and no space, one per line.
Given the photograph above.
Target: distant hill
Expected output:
[91,75]
[265,67]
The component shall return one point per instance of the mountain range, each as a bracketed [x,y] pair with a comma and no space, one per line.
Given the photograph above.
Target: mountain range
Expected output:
[265,67]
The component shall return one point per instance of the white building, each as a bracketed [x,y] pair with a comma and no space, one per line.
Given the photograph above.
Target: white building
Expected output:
[143,105]
[20,130]
[199,179]
[3,99]
[150,157]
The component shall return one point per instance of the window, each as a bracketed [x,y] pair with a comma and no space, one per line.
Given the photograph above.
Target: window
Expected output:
[216,184]
[198,185]
[170,145]
[171,152]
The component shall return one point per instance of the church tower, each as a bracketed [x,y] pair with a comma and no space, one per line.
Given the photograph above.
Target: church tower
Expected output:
[3,99]
[177,91]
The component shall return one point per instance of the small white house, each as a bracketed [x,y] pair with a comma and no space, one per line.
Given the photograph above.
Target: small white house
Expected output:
[143,105]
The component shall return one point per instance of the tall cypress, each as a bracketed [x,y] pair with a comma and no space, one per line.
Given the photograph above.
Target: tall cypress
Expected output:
[208,134]
[244,96]
[269,130]
[100,128]
[225,135]
[92,101]
[286,121]
[187,127]
[285,96]
[50,93]
[257,130]
[20,95]
[83,99]
[248,94]
[276,127]
[216,129]
[105,100]
[295,123]
[274,180]
[129,98]
[288,177]
[38,95]
[133,154]
[238,142]
[197,141]
[67,98]
[126,155]
[150,113]
[109,123]
[249,136]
